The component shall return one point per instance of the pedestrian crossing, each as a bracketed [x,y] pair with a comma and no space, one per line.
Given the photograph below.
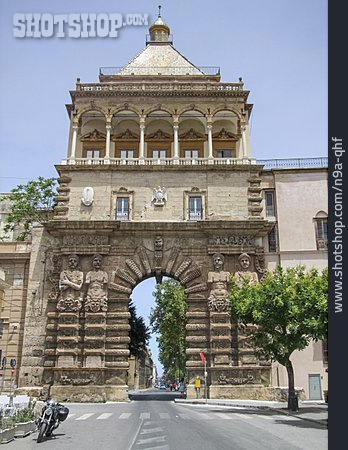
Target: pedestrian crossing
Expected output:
[164,416]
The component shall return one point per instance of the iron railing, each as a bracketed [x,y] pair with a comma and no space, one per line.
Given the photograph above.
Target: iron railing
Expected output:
[293,163]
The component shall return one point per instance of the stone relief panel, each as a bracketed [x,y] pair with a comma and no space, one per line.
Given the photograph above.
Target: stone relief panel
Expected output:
[70,284]
[218,283]
[97,292]
[53,276]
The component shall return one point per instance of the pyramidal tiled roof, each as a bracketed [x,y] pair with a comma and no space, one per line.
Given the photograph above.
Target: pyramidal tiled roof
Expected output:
[162,59]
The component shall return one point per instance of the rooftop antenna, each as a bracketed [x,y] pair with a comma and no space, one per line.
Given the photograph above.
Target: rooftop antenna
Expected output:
[159,10]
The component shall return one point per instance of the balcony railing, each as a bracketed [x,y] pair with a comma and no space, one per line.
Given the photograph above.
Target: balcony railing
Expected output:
[158,162]
[293,163]
[160,87]
[159,70]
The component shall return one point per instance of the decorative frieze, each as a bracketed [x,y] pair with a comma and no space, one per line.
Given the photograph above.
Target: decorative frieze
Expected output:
[245,240]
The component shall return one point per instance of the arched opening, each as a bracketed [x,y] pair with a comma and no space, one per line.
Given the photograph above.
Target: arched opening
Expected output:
[91,143]
[159,136]
[125,135]
[192,135]
[226,135]
[157,339]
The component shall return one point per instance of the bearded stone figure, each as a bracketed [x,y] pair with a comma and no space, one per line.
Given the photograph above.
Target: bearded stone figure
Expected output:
[97,280]
[70,284]
[218,281]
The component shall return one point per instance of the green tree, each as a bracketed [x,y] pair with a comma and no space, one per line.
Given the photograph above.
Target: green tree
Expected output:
[168,320]
[289,307]
[29,204]
[139,333]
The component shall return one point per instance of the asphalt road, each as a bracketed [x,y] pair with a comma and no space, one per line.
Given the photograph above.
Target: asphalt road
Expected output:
[163,425]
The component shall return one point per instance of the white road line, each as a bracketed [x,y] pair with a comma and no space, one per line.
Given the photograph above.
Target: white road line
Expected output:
[224,416]
[266,417]
[243,416]
[148,440]
[71,415]
[164,415]
[85,416]
[145,416]
[104,416]
[125,415]
[151,430]
[162,447]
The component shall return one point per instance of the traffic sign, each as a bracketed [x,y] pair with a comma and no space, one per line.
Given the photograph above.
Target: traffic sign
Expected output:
[3,362]
[13,363]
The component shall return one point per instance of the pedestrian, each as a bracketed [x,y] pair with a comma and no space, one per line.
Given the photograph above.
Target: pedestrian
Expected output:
[197,386]
[182,388]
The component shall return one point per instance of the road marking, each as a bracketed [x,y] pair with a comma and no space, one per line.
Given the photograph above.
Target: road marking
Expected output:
[125,415]
[151,430]
[71,415]
[266,417]
[104,416]
[184,416]
[244,416]
[153,439]
[224,416]
[145,416]
[85,416]
[164,415]
[162,447]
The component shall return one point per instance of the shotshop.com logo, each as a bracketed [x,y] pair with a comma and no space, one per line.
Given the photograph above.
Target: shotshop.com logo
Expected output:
[73,25]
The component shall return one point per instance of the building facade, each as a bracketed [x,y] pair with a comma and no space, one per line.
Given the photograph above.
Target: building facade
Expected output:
[296,200]
[158,181]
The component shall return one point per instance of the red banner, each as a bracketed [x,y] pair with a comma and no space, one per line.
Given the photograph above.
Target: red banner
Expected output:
[201,354]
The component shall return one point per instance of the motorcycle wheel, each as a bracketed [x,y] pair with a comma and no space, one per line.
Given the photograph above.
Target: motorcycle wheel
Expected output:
[42,431]
[49,432]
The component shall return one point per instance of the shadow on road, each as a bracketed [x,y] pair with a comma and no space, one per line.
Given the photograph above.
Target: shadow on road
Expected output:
[153,395]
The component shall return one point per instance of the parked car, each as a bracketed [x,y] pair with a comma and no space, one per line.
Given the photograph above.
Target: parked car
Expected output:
[162,386]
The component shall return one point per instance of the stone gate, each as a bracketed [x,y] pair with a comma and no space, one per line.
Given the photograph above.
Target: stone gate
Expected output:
[158,181]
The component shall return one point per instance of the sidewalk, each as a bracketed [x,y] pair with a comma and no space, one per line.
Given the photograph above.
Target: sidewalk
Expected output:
[308,410]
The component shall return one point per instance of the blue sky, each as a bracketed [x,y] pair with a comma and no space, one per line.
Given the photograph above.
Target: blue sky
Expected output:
[279,47]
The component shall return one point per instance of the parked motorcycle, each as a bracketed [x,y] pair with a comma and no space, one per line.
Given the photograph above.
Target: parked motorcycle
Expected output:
[52,414]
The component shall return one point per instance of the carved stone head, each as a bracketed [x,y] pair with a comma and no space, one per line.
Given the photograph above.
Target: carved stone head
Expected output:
[158,243]
[244,261]
[73,261]
[218,260]
[97,261]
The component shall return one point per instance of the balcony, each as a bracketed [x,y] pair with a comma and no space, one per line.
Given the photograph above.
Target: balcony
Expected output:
[158,162]
[269,164]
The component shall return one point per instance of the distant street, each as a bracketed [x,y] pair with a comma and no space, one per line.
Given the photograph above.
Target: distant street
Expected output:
[156,423]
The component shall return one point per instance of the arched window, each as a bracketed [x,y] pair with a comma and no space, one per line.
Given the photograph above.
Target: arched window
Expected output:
[320,222]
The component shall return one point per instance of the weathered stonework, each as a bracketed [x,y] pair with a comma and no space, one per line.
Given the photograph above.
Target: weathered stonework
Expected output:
[158,181]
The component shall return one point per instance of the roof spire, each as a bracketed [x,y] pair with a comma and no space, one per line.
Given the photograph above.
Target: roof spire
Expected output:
[159,31]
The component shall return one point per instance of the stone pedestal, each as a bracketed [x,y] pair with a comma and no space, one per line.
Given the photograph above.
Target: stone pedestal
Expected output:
[94,339]
[68,340]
